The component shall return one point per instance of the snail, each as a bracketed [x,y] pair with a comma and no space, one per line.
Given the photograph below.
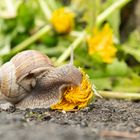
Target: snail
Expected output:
[30,80]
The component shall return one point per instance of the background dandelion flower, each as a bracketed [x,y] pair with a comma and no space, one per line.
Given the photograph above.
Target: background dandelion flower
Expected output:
[101,43]
[63,20]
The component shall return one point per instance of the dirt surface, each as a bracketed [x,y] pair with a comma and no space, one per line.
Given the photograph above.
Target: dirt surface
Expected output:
[102,120]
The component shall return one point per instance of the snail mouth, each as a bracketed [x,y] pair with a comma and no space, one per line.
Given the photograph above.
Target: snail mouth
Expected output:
[75,97]
[63,89]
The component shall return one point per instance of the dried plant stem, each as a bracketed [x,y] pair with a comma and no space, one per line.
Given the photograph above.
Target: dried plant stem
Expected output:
[120,95]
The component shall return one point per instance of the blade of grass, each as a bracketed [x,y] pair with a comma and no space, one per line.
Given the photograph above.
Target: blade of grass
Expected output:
[23,45]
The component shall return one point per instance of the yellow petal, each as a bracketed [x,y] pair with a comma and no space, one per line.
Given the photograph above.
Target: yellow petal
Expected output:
[63,20]
[101,43]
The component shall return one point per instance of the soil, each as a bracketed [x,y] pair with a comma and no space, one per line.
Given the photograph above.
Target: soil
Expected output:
[102,120]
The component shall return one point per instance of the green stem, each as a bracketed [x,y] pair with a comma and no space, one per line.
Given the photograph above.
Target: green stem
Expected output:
[52,4]
[120,95]
[67,52]
[45,9]
[117,5]
[75,33]
[23,45]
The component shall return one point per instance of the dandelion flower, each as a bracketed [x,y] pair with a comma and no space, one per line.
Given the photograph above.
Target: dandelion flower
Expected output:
[101,43]
[76,97]
[63,20]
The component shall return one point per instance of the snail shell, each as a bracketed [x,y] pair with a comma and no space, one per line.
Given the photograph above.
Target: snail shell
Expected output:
[29,80]
[18,76]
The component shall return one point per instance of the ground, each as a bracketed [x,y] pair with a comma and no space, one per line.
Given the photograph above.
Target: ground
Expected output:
[102,120]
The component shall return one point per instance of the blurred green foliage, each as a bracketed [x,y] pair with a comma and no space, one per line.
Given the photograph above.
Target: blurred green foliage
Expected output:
[20,20]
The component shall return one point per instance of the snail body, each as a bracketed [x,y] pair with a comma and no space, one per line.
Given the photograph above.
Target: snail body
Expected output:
[29,80]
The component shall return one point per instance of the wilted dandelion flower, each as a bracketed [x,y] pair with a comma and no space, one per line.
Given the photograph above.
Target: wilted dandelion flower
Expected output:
[101,44]
[63,20]
[76,97]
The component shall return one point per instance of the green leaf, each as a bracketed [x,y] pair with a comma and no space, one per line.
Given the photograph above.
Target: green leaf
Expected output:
[102,83]
[128,84]
[90,8]
[4,45]
[115,24]
[117,68]
[49,39]
[132,45]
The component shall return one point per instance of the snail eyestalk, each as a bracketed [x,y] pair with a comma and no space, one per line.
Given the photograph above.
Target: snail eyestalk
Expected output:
[71,56]
[67,52]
